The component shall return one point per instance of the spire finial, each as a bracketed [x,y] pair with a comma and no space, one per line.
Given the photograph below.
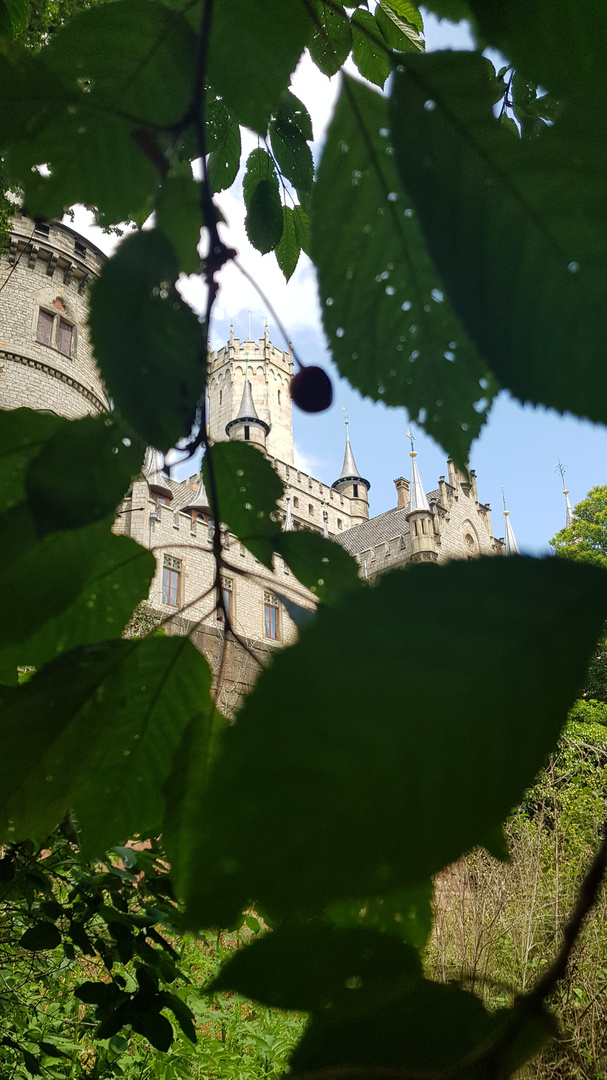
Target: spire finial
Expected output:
[347,416]
[506,512]
[510,539]
[411,438]
[560,468]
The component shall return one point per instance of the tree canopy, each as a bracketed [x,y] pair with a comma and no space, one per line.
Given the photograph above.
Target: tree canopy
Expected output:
[585,539]
[458,226]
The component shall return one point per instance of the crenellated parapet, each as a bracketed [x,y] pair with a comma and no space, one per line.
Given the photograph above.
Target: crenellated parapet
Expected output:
[46,359]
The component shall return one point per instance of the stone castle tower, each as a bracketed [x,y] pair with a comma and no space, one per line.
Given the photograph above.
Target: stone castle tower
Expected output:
[46,360]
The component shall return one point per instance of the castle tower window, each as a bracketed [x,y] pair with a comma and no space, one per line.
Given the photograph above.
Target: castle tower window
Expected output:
[295,501]
[270,616]
[339,523]
[311,509]
[79,249]
[171,581]
[41,229]
[220,396]
[247,432]
[65,337]
[279,397]
[355,491]
[227,592]
[44,332]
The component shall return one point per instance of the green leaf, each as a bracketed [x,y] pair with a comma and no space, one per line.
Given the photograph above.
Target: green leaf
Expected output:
[406,914]
[404,9]
[454,10]
[179,217]
[96,730]
[302,229]
[64,495]
[266,40]
[561,46]
[97,993]
[224,145]
[182,1014]
[289,131]
[133,58]
[72,589]
[392,330]
[263,220]
[156,1029]
[397,32]
[14,15]
[151,352]
[369,50]
[517,228]
[323,566]
[331,39]
[43,935]
[312,967]
[93,158]
[288,250]
[430,1029]
[23,433]
[248,490]
[417,748]
[184,790]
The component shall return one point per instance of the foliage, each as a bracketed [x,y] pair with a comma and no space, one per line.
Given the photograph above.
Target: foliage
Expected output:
[497,925]
[585,540]
[457,250]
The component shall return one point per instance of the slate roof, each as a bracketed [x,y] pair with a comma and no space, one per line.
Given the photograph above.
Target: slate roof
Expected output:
[387,526]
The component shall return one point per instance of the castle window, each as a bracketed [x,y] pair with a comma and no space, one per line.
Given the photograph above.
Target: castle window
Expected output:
[247,432]
[220,396]
[79,249]
[160,501]
[339,523]
[270,616]
[44,333]
[311,509]
[65,334]
[42,229]
[171,581]
[279,397]
[355,490]
[295,501]
[227,592]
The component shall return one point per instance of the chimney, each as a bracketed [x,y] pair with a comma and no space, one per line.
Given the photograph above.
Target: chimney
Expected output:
[402,491]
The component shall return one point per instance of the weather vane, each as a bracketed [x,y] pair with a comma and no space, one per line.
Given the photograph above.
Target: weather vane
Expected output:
[411,437]
[560,468]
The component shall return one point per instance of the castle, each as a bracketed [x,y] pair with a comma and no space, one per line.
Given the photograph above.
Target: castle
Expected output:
[46,362]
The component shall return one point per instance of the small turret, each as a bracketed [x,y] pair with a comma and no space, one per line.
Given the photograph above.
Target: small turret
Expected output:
[419,515]
[352,485]
[200,507]
[246,425]
[158,482]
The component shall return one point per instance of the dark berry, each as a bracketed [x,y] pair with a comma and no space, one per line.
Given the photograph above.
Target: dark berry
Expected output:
[311,389]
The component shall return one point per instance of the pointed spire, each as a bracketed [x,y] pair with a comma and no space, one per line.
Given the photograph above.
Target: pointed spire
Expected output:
[247,410]
[417,495]
[568,510]
[153,464]
[201,499]
[509,538]
[349,469]
[288,522]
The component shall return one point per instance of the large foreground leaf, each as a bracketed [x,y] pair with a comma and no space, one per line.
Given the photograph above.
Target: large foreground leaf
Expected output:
[23,433]
[151,350]
[96,730]
[248,489]
[517,228]
[74,589]
[392,331]
[458,680]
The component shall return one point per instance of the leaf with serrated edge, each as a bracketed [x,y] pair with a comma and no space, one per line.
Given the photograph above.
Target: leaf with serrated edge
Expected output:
[287,252]
[331,39]
[86,727]
[517,227]
[369,51]
[384,787]
[392,330]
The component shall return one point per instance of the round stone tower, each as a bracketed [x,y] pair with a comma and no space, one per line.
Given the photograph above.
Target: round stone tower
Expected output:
[46,360]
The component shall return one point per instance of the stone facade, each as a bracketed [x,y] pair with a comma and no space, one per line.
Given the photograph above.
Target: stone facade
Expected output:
[46,363]
[46,360]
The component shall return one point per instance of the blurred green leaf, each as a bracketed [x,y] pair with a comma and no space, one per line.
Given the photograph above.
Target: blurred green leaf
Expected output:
[152,349]
[248,490]
[263,220]
[341,781]
[323,566]
[223,133]
[179,217]
[43,935]
[23,433]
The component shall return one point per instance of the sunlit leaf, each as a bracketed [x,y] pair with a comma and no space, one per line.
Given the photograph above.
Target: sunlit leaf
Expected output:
[518,229]
[392,330]
[331,39]
[225,147]
[369,50]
